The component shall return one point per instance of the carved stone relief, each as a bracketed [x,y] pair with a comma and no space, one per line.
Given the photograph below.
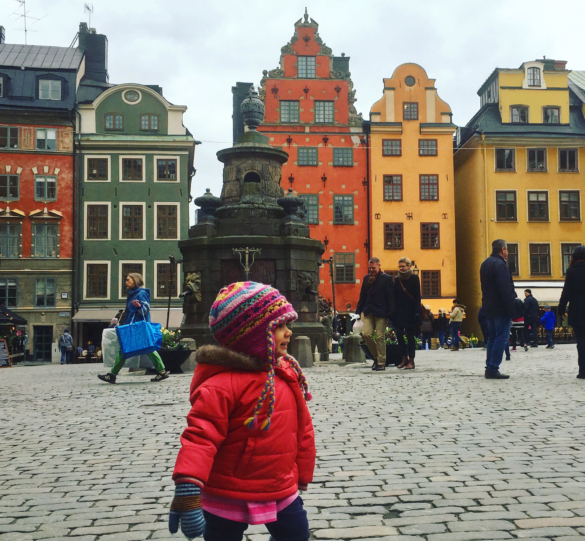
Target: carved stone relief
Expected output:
[193,284]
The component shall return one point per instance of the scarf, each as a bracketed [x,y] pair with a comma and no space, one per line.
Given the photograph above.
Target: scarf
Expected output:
[404,275]
[372,279]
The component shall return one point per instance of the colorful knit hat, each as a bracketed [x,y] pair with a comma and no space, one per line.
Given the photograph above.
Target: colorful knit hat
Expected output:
[243,318]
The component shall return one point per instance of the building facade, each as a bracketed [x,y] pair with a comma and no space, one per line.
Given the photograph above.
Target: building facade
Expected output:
[518,178]
[310,113]
[412,182]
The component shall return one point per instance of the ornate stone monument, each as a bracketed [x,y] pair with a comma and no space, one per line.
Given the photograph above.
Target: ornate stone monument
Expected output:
[252,232]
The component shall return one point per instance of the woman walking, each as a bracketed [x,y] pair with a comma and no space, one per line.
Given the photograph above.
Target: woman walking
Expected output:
[442,325]
[137,309]
[407,316]
[427,326]
[574,295]
[456,319]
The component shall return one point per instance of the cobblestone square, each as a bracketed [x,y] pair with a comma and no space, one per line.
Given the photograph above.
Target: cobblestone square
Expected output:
[435,454]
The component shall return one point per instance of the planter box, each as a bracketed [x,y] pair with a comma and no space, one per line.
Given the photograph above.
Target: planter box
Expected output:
[393,355]
[174,360]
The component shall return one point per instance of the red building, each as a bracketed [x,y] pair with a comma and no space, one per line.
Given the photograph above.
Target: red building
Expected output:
[310,114]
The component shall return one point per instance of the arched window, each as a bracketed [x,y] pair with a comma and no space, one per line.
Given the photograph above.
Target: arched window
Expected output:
[533,76]
[252,176]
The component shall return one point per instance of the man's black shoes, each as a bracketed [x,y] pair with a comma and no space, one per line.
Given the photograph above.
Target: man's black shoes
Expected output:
[491,374]
[379,368]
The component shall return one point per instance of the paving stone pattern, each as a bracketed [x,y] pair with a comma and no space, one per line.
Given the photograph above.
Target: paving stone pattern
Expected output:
[434,454]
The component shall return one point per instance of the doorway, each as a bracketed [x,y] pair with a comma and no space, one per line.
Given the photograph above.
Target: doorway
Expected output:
[43,343]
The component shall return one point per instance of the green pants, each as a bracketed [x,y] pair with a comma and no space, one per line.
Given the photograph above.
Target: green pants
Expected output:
[154,357]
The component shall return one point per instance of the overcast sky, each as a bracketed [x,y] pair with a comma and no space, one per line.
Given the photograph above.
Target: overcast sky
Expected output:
[197,49]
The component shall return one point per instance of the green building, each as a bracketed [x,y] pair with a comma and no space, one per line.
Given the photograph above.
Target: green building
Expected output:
[135,164]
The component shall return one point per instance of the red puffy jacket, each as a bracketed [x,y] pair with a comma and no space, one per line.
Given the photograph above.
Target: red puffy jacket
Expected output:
[230,459]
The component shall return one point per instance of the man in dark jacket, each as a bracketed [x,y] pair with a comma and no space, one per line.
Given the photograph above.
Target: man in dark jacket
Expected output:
[376,307]
[497,288]
[531,318]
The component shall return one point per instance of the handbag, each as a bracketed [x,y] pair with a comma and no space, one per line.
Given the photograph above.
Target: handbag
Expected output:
[139,338]
[417,316]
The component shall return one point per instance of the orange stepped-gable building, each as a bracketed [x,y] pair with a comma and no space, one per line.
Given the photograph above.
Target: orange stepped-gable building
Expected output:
[310,114]
[412,182]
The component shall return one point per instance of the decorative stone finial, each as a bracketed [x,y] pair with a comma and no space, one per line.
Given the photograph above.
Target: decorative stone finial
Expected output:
[306,15]
[252,110]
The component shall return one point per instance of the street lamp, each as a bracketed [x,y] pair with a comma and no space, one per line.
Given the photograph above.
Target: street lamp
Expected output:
[173,265]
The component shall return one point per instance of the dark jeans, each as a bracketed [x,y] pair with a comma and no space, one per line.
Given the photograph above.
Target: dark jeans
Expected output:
[531,322]
[441,338]
[549,337]
[406,349]
[427,339]
[484,332]
[498,335]
[517,336]
[455,326]
[580,336]
[291,525]
[65,355]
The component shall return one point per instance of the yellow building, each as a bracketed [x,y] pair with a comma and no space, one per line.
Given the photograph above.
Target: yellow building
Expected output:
[412,182]
[517,178]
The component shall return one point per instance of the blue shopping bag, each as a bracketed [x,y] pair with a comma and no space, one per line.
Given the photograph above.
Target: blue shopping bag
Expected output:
[139,338]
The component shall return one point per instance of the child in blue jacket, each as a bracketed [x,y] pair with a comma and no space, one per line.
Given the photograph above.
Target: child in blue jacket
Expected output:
[549,320]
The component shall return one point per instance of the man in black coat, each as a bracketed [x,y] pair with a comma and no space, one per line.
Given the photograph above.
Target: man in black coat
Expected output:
[531,318]
[497,288]
[376,307]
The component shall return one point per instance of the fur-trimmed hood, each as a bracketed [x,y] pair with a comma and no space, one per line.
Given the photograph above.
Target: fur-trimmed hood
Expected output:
[228,358]
[462,306]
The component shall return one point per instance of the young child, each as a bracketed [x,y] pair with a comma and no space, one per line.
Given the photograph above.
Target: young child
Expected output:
[549,321]
[249,446]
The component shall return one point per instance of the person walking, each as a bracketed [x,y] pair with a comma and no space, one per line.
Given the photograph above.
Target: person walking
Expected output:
[482,320]
[249,445]
[66,347]
[407,317]
[497,288]
[549,320]
[574,295]
[442,324]
[518,325]
[376,307]
[457,313]
[137,309]
[531,318]
[427,326]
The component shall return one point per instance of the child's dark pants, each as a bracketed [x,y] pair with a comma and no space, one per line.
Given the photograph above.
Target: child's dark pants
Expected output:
[291,525]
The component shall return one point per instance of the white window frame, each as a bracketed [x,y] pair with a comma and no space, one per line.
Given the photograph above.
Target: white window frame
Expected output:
[519,244]
[87,157]
[156,205]
[131,157]
[155,280]
[561,244]
[46,130]
[538,65]
[97,262]
[155,168]
[550,253]
[528,220]
[121,218]
[51,81]
[496,190]
[120,263]
[85,205]
[580,220]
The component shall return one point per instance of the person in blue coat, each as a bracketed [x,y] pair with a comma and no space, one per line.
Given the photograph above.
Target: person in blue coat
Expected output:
[549,321]
[137,309]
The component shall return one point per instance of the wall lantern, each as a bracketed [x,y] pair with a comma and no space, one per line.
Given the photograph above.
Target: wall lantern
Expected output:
[306,90]
[291,179]
[325,139]
[289,141]
[324,179]
[326,241]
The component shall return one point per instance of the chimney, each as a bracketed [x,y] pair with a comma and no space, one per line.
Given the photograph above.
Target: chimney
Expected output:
[95,47]
[560,65]
[2,35]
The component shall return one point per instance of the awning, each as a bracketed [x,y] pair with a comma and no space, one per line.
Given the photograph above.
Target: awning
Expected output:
[105,315]
[545,292]
[159,315]
[8,317]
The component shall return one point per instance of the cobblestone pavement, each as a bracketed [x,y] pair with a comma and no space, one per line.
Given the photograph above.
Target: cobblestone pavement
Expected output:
[435,454]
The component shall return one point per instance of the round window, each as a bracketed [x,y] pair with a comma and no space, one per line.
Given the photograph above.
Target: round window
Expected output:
[410,80]
[132,95]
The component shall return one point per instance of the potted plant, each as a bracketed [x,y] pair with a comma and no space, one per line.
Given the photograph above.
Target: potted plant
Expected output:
[173,352]
[393,355]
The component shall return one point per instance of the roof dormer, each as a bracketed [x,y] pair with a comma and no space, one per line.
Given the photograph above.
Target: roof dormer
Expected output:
[533,76]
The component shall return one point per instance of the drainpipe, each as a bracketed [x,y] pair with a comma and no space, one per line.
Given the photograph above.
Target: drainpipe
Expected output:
[367,134]
[487,242]
[76,249]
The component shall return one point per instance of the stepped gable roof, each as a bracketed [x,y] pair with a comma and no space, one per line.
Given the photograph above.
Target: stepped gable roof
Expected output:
[41,57]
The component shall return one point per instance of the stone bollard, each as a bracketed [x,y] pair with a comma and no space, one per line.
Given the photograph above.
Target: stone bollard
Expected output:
[352,352]
[301,351]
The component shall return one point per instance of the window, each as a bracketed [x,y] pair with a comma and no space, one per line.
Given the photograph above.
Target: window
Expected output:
[519,115]
[537,159]
[45,289]
[10,240]
[149,122]
[568,159]
[132,222]
[307,156]
[96,280]
[49,89]
[166,169]
[46,240]
[289,111]
[570,206]
[410,110]
[324,112]
[132,169]
[8,136]
[533,76]
[391,147]
[550,115]
[393,273]
[343,157]
[167,222]
[344,268]
[506,206]
[46,139]
[513,259]
[45,188]
[97,169]
[343,209]
[505,159]
[114,121]
[431,283]
[311,204]
[538,206]
[429,188]
[429,236]
[539,259]
[567,251]
[392,187]
[427,147]
[2,86]
[306,67]
[163,280]
[9,187]
[129,268]
[8,292]
[393,237]
[97,222]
